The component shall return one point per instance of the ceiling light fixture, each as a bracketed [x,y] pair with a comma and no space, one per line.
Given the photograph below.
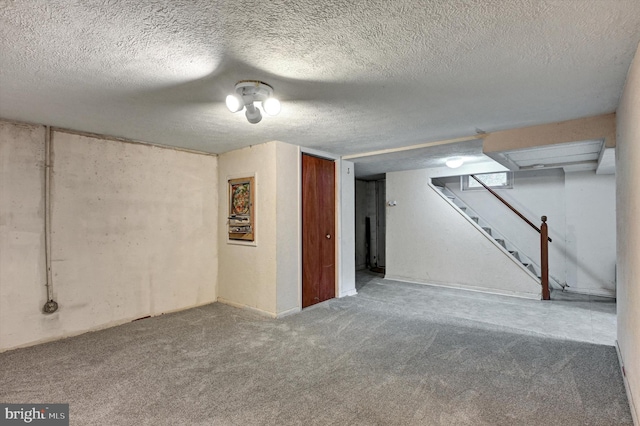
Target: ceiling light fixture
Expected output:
[247,93]
[455,162]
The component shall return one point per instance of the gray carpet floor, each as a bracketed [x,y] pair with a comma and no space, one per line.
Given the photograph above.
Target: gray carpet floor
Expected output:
[370,359]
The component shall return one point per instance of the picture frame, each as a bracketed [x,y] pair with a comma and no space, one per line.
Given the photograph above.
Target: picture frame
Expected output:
[241,219]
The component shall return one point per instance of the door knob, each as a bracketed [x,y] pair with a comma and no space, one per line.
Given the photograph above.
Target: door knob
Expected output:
[328,236]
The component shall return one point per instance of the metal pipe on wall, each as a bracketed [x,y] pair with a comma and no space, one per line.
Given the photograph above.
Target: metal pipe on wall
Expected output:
[51,305]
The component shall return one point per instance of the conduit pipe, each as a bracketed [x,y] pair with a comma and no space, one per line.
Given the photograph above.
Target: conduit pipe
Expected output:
[51,305]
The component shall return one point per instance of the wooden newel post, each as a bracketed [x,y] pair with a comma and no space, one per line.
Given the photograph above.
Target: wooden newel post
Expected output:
[544,258]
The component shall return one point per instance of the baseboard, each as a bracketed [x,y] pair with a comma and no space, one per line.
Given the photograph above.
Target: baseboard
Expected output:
[100,327]
[599,293]
[171,311]
[68,335]
[634,414]
[248,308]
[534,296]
[351,292]
[288,312]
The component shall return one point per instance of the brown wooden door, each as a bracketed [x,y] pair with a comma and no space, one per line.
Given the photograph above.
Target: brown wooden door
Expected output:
[318,230]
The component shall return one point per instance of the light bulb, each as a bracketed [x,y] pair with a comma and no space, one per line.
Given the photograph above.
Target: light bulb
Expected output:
[234,103]
[454,163]
[271,106]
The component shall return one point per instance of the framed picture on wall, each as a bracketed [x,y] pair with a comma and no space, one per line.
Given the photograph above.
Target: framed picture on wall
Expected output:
[241,209]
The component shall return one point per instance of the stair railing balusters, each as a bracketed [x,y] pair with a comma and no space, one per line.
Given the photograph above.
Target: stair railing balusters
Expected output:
[506,203]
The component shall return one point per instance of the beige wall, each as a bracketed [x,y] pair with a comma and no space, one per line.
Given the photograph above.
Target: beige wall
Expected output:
[264,275]
[137,231]
[288,238]
[428,242]
[22,255]
[628,230]
[133,233]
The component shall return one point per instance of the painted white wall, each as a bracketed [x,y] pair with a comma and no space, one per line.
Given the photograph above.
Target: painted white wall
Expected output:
[347,234]
[628,226]
[263,276]
[573,203]
[133,234]
[535,193]
[591,232]
[426,243]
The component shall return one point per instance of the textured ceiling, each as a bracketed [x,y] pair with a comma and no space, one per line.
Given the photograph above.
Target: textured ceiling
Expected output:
[353,76]
[431,157]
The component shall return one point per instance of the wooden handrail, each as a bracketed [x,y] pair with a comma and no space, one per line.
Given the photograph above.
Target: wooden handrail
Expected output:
[506,203]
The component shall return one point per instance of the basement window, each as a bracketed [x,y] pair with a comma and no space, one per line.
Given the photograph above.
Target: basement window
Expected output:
[499,180]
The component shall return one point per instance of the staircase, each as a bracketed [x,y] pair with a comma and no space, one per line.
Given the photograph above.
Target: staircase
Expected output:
[489,230]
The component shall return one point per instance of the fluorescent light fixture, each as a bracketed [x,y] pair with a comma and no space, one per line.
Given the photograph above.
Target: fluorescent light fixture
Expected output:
[455,162]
